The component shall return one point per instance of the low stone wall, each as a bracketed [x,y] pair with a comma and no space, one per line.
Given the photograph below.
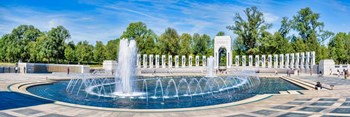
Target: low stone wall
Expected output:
[49,68]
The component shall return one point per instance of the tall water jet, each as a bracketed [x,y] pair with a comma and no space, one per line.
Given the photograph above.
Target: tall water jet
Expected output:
[125,72]
[210,67]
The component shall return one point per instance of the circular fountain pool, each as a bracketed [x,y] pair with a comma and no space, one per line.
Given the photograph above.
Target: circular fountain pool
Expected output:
[161,93]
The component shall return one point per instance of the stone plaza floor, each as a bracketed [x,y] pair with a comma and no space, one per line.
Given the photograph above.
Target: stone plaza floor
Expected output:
[314,103]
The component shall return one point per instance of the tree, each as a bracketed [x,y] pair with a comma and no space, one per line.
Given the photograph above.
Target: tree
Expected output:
[169,42]
[139,32]
[324,36]
[286,25]
[305,22]
[56,41]
[99,52]
[150,46]
[112,49]
[84,52]
[220,33]
[70,53]
[249,30]
[337,46]
[185,44]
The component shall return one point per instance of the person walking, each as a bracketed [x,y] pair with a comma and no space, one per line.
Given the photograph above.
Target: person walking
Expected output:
[338,73]
[345,73]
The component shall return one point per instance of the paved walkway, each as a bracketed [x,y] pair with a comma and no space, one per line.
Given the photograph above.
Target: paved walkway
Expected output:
[315,103]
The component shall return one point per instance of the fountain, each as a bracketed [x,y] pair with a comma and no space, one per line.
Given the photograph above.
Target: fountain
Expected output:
[210,67]
[125,85]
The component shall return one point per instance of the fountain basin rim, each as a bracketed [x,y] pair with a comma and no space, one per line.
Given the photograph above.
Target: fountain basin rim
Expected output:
[22,88]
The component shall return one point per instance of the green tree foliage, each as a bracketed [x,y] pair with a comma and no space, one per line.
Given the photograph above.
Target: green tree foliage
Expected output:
[220,33]
[169,42]
[56,41]
[84,52]
[249,31]
[140,32]
[286,26]
[99,52]
[339,47]
[202,44]
[185,44]
[112,49]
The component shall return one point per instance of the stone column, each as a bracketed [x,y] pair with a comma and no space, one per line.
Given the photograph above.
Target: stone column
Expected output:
[197,61]
[297,61]
[157,61]
[183,61]
[313,58]
[170,61]
[275,61]
[138,61]
[281,61]
[269,61]
[163,61]
[204,61]
[250,60]
[302,60]
[151,61]
[307,61]
[236,60]
[286,64]
[263,61]
[291,64]
[257,61]
[145,61]
[244,62]
[176,61]
[190,61]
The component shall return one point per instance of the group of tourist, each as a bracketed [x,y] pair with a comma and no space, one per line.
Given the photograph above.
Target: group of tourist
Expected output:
[345,72]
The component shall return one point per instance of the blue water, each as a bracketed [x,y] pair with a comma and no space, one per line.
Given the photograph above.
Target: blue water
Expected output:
[57,91]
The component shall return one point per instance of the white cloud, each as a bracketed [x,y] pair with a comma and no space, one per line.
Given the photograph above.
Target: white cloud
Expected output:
[270,18]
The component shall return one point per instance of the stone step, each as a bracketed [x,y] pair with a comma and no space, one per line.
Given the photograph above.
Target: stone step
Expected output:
[293,92]
[301,84]
[283,92]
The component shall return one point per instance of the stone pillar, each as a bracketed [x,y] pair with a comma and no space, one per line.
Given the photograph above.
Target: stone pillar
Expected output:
[244,62]
[297,61]
[151,61]
[307,61]
[313,58]
[138,61]
[145,61]
[190,61]
[281,61]
[204,61]
[275,61]
[163,61]
[157,61]
[302,60]
[269,61]
[236,60]
[263,61]
[183,61]
[197,61]
[291,64]
[176,61]
[250,63]
[286,64]
[170,61]
[257,61]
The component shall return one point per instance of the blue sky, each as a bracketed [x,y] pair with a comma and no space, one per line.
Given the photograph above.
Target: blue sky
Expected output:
[107,19]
